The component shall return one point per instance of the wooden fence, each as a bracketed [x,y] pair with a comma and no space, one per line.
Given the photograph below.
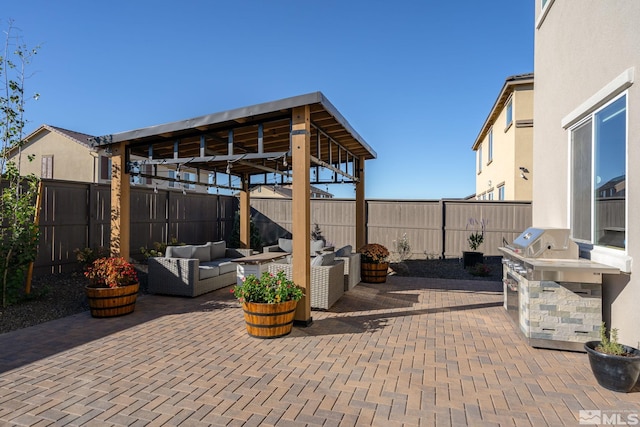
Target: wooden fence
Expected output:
[433,228]
[76,215]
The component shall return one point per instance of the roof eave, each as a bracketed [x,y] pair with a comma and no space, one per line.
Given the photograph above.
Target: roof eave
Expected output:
[236,114]
[507,88]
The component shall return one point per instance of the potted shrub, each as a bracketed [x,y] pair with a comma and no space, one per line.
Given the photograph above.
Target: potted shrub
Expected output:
[113,287]
[615,366]
[374,263]
[269,304]
[475,239]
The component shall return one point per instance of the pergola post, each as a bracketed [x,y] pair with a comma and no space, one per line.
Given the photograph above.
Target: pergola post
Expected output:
[361,219]
[245,214]
[301,209]
[120,203]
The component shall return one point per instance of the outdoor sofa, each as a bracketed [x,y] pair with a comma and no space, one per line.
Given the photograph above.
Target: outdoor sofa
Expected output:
[192,270]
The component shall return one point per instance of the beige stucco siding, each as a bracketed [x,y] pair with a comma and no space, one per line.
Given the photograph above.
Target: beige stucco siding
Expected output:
[71,161]
[511,149]
[580,48]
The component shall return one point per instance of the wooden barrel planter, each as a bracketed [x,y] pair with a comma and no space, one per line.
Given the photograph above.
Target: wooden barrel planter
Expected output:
[374,273]
[269,320]
[112,302]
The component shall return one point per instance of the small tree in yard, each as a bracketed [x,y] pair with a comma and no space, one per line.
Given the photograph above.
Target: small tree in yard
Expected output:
[18,233]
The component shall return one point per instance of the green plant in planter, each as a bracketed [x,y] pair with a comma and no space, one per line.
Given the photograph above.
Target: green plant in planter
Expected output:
[610,346]
[476,238]
[269,289]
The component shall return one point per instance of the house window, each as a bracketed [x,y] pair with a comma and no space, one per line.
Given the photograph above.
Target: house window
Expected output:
[480,158]
[47,167]
[598,176]
[509,113]
[490,159]
[490,195]
[105,167]
[501,192]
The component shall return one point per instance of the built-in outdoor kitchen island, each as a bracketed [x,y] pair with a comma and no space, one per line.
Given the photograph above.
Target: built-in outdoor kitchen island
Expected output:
[553,296]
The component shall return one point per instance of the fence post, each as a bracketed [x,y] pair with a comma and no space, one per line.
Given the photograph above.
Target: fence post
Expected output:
[443,225]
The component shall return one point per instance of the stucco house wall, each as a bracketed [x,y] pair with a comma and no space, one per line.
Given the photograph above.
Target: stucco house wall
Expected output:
[512,144]
[71,160]
[583,50]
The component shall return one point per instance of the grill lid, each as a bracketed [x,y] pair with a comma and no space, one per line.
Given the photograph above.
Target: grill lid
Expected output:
[545,243]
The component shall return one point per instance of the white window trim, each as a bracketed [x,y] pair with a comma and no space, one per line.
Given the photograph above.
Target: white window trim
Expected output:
[608,256]
[543,13]
[601,97]
[513,118]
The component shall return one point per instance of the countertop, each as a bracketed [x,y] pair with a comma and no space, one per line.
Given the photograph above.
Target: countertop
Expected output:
[549,264]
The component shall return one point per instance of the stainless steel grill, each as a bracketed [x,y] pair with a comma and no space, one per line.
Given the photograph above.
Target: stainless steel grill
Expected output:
[553,296]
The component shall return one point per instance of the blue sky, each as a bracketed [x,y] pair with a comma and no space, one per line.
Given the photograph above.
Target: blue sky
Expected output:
[416,79]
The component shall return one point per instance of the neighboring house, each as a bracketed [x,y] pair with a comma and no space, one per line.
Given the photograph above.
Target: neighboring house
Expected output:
[64,154]
[285,192]
[587,140]
[504,146]
[59,153]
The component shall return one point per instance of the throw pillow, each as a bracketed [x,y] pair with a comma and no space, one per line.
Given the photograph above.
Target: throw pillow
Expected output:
[286,245]
[344,251]
[317,261]
[218,249]
[203,252]
[179,252]
[328,258]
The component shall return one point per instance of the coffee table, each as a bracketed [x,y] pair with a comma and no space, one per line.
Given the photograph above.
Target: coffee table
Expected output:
[256,264]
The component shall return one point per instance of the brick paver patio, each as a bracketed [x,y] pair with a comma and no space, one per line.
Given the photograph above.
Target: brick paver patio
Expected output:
[413,351]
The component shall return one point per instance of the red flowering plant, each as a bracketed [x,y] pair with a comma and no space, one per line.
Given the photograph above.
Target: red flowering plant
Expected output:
[374,253]
[111,273]
[269,288]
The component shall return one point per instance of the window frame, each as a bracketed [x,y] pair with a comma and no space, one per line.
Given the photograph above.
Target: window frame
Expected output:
[490,143]
[617,257]
[46,166]
[545,6]
[508,113]
[480,159]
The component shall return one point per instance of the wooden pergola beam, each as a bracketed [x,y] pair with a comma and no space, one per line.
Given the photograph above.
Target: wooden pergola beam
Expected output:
[120,203]
[301,209]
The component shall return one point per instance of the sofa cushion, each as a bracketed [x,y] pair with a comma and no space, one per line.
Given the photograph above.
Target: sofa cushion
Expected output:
[328,259]
[317,261]
[179,251]
[224,265]
[286,245]
[228,267]
[202,252]
[316,246]
[344,251]
[218,249]
[207,270]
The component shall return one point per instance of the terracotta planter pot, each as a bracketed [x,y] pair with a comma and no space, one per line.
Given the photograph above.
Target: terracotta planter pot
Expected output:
[269,320]
[374,273]
[112,302]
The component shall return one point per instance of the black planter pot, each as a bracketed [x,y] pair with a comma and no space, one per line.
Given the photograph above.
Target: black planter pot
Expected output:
[469,259]
[616,373]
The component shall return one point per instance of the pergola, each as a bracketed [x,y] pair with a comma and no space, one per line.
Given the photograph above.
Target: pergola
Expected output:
[302,137]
